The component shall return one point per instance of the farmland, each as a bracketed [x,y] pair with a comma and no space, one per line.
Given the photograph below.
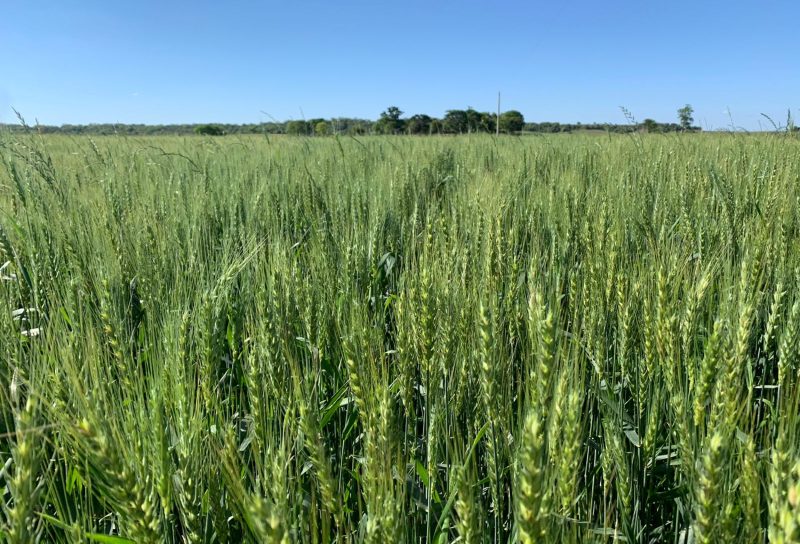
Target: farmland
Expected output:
[570,338]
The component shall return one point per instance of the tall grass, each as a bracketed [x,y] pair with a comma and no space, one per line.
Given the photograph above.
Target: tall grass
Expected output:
[546,339]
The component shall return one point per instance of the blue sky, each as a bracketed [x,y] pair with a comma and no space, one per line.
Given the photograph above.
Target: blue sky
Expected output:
[166,61]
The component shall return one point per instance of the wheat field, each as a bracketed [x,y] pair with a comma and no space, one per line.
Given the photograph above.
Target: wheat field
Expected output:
[447,339]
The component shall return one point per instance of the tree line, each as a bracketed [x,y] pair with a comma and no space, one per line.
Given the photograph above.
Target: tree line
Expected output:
[390,121]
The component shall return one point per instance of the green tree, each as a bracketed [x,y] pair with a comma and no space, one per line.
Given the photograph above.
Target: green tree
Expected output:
[208,130]
[298,128]
[473,120]
[511,121]
[649,125]
[488,122]
[685,115]
[455,122]
[419,124]
[321,128]
[390,122]
[359,127]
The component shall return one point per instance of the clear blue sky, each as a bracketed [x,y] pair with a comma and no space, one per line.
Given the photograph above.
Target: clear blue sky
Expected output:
[167,61]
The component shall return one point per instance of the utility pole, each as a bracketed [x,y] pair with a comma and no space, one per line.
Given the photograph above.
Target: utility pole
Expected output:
[497,121]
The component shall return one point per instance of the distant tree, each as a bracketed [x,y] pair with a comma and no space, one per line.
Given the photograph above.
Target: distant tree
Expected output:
[511,121]
[359,127]
[649,125]
[418,124]
[347,125]
[455,122]
[473,120]
[488,122]
[321,128]
[390,122]
[298,128]
[685,115]
[312,124]
[208,130]
[550,127]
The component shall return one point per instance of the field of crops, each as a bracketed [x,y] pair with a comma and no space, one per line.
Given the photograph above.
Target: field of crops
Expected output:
[536,339]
